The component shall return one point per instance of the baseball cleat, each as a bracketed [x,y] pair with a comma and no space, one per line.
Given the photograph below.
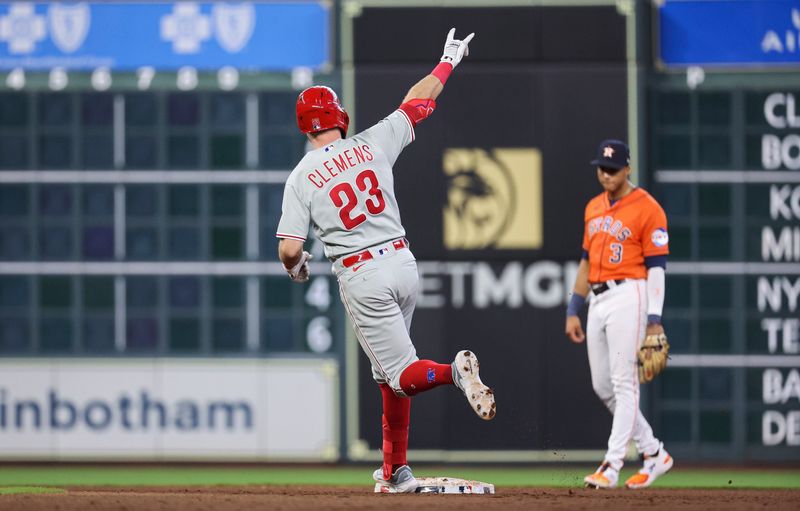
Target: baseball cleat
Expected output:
[402,481]
[605,477]
[465,377]
[654,466]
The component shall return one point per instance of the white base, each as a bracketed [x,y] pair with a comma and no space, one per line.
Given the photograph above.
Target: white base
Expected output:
[447,485]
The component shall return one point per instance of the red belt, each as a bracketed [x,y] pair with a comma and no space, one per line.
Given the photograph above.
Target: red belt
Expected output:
[366,255]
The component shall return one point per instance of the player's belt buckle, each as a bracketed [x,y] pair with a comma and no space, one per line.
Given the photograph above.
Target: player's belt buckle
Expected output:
[602,287]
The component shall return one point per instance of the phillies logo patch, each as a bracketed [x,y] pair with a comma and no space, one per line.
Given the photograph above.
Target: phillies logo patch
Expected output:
[431,375]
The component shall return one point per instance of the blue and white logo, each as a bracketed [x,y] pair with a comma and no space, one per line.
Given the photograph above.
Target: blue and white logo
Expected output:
[69,25]
[22,28]
[185,27]
[233,25]
[660,237]
[167,36]
[782,40]
[767,32]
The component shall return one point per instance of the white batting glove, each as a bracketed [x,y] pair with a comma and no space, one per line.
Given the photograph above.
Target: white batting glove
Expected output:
[455,49]
[301,271]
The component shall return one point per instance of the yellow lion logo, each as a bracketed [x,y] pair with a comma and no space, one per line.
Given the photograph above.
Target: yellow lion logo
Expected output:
[493,200]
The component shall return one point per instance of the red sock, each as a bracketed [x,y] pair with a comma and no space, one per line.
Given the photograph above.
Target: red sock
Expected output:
[396,418]
[423,375]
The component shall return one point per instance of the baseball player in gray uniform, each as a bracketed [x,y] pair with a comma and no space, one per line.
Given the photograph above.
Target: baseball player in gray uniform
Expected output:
[344,188]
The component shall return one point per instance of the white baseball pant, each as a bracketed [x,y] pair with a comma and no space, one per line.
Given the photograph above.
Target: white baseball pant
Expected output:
[615,328]
[379,295]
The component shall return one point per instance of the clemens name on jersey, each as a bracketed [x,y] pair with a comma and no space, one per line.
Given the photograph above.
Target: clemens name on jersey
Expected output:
[347,188]
[340,163]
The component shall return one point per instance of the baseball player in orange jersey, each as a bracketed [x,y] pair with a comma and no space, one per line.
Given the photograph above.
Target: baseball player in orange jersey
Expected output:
[625,247]
[345,189]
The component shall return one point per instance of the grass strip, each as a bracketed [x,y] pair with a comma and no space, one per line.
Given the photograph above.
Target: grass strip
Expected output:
[553,477]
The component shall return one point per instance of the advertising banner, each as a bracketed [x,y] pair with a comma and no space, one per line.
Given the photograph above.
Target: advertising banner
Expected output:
[744,33]
[127,36]
[169,409]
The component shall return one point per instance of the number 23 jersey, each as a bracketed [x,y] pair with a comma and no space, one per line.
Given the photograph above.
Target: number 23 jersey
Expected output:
[618,237]
[346,190]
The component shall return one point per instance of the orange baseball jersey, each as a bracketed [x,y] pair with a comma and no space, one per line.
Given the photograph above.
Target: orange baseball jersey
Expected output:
[618,237]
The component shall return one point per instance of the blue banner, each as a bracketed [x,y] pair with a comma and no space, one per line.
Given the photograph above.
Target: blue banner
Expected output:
[128,36]
[731,33]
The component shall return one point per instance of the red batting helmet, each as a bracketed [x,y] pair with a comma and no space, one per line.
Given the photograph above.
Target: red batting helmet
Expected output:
[319,109]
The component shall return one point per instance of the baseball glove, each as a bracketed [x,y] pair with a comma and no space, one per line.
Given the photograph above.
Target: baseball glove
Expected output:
[653,357]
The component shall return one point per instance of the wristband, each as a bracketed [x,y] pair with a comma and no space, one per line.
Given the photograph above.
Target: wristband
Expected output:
[653,319]
[576,302]
[442,71]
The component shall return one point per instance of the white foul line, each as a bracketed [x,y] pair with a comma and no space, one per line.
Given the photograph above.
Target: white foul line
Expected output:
[734,361]
[727,176]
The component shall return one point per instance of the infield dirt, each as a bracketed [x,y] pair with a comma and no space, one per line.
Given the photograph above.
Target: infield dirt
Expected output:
[316,498]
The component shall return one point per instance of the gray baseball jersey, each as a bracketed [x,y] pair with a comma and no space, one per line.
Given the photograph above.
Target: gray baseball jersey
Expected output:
[346,190]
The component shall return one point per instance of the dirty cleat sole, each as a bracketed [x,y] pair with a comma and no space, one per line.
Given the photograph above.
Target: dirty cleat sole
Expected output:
[465,376]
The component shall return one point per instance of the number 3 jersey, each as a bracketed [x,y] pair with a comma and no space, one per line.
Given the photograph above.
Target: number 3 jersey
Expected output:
[346,190]
[618,237]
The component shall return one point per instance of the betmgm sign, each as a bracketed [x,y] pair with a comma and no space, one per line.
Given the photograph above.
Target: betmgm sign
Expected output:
[494,199]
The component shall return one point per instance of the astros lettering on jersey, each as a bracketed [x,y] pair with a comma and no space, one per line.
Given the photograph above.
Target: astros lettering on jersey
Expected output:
[618,237]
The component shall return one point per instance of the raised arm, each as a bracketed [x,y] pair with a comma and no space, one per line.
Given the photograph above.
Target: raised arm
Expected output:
[432,85]
[395,132]
[428,88]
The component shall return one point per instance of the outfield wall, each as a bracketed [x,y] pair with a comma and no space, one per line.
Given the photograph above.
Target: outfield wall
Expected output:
[169,409]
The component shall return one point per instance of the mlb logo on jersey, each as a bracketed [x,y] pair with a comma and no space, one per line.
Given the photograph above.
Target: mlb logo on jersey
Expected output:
[382,251]
[660,237]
